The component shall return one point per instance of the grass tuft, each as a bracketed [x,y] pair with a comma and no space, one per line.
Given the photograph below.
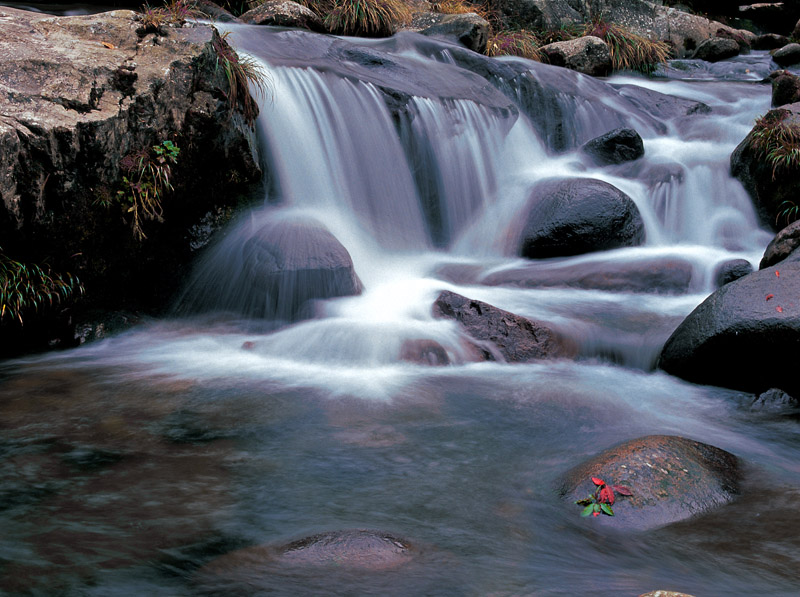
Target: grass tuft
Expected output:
[515,43]
[629,51]
[366,18]
[778,143]
[240,71]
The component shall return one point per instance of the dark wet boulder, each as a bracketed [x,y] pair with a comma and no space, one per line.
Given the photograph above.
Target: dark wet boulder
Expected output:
[214,11]
[670,479]
[745,336]
[571,216]
[424,352]
[285,265]
[470,30]
[615,147]
[588,55]
[660,275]
[770,41]
[716,48]
[782,246]
[733,269]
[785,88]
[770,194]
[283,13]
[506,336]
[787,55]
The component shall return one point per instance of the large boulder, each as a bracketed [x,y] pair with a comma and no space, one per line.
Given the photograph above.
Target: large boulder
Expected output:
[785,88]
[786,242]
[615,147]
[787,55]
[745,336]
[571,216]
[588,55]
[504,335]
[670,479]
[470,29]
[715,49]
[283,13]
[273,268]
[78,96]
[770,192]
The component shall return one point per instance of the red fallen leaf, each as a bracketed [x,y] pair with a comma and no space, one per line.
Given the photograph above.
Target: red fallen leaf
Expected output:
[779,309]
[770,296]
[597,481]
[622,489]
[607,495]
[777,274]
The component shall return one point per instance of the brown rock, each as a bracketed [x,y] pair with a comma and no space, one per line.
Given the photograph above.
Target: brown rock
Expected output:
[424,352]
[671,478]
[283,13]
[588,55]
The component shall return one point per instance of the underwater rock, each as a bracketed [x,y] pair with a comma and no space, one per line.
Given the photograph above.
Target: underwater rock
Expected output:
[670,478]
[424,352]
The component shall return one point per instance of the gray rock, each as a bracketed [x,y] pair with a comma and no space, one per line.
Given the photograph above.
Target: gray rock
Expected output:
[785,88]
[787,55]
[283,13]
[578,215]
[775,401]
[670,478]
[782,246]
[716,49]
[504,335]
[731,270]
[745,336]
[615,147]
[470,30]
[588,55]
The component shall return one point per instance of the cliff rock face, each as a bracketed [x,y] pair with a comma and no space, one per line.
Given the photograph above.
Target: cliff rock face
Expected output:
[80,94]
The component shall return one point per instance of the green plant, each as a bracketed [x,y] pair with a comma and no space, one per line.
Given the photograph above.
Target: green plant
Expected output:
[629,51]
[601,500]
[777,141]
[240,72]
[514,43]
[29,287]
[145,181]
[368,18]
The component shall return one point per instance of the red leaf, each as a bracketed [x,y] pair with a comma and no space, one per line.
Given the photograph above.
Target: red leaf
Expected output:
[779,309]
[622,489]
[777,274]
[597,481]
[769,296]
[607,495]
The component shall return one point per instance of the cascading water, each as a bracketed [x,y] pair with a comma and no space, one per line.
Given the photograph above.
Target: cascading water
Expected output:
[265,412]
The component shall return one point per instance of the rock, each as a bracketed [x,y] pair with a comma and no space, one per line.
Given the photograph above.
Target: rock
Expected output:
[661,105]
[615,147]
[775,401]
[770,193]
[214,11]
[716,49]
[548,15]
[787,55]
[78,95]
[653,275]
[285,265]
[283,13]
[588,55]
[785,88]
[665,594]
[424,352]
[470,30]
[733,269]
[796,31]
[783,245]
[745,336]
[513,338]
[571,216]
[770,16]
[770,41]
[671,478]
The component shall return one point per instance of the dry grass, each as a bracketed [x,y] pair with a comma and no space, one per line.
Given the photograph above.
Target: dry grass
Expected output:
[629,51]
[514,43]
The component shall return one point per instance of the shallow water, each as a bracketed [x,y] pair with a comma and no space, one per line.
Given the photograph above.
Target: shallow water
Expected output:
[129,464]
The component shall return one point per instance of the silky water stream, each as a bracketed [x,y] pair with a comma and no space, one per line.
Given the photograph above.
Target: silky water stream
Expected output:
[131,463]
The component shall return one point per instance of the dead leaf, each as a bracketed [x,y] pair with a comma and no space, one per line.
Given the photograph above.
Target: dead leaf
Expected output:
[110,46]
[779,309]
[769,296]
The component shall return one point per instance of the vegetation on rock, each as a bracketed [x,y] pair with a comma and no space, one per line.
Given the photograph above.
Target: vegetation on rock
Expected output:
[777,142]
[240,72]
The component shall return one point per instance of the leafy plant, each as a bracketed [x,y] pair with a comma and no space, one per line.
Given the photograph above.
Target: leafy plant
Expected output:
[29,287]
[629,51]
[146,181]
[241,72]
[514,43]
[368,18]
[601,500]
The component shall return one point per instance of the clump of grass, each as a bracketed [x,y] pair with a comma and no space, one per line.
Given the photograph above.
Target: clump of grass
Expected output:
[366,18]
[460,7]
[629,51]
[240,72]
[777,142]
[174,12]
[514,43]
[30,288]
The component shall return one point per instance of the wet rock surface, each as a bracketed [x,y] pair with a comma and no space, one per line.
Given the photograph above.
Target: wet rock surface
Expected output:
[615,147]
[671,479]
[470,30]
[731,270]
[787,55]
[716,49]
[782,246]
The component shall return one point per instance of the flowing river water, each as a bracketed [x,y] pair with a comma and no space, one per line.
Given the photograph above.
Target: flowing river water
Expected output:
[130,463]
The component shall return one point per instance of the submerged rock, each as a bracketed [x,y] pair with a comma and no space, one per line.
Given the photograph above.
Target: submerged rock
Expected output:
[571,216]
[745,336]
[424,352]
[671,478]
[588,55]
[515,339]
[615,147]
